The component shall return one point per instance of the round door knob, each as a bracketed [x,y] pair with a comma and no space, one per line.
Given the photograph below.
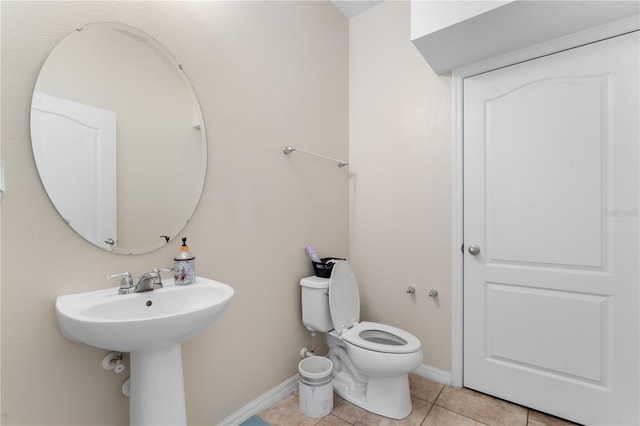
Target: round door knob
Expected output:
[474,250]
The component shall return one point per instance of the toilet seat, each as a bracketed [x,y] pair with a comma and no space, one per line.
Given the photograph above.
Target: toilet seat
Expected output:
[381,338]
[344,305]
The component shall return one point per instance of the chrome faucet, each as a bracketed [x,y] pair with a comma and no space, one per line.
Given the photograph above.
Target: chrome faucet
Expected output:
[147,281]
[150,280]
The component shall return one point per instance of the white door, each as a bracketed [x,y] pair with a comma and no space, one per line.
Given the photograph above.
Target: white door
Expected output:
[551,204]
[74,146]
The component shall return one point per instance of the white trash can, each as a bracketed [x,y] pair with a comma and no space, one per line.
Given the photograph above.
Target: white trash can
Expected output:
[315,390]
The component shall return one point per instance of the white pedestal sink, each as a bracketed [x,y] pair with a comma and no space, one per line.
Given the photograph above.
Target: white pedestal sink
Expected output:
[151,326]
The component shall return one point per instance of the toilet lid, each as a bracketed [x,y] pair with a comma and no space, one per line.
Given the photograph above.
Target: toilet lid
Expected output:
[344,300]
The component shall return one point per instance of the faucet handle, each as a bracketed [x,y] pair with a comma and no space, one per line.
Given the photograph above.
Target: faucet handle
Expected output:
[157,283]
[126,277]
[126,283]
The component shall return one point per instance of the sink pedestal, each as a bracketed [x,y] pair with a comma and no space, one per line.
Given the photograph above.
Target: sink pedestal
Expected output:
[157,387]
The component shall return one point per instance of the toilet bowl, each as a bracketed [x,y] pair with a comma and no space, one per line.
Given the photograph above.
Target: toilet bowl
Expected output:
[371,360]
[374,357]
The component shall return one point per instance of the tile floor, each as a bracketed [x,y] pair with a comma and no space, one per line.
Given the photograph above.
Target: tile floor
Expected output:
[434,404]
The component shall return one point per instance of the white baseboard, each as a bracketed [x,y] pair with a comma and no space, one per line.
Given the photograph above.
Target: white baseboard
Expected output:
[290,385]
[434,374]
[263,402]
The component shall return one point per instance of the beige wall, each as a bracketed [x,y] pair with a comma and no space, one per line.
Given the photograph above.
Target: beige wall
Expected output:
[400,218]
[267,74]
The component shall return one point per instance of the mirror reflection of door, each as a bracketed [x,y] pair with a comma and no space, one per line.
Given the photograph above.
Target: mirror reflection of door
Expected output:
[80,167]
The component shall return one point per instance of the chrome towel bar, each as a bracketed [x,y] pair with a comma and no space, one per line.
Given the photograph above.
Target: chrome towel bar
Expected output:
[289,149]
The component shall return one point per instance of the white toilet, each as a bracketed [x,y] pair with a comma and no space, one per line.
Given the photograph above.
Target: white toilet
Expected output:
[371,361]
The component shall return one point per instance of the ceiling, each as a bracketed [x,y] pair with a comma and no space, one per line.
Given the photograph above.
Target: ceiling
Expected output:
[351,8]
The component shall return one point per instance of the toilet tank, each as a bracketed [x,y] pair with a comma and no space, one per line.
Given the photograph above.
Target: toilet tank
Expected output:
[315,304]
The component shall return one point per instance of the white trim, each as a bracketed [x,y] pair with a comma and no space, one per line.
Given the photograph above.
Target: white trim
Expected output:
[601,32]
[457,266]
[457,229]
[263,402]
[433,373]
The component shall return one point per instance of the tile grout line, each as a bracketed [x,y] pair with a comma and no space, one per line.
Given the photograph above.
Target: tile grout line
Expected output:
[476,420]
[427,415]
[433,404]
[463,415]
[342,401]
[439,393]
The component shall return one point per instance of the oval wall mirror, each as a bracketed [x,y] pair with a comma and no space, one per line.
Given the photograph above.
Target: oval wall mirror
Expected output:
[118,138]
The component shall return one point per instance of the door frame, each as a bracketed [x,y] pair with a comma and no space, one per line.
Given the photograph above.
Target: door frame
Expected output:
[458,75]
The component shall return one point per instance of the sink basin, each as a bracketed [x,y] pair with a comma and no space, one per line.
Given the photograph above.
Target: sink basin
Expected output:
[151,326]
[142,321]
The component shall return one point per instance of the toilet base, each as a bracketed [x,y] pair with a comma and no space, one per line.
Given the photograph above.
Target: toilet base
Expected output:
[386,396]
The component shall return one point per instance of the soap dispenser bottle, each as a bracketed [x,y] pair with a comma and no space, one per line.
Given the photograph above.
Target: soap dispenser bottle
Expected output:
[184,265]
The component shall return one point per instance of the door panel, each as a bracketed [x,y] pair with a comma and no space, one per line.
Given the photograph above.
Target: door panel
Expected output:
[534,338]
[516,152]
[76,148]
[551,198]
